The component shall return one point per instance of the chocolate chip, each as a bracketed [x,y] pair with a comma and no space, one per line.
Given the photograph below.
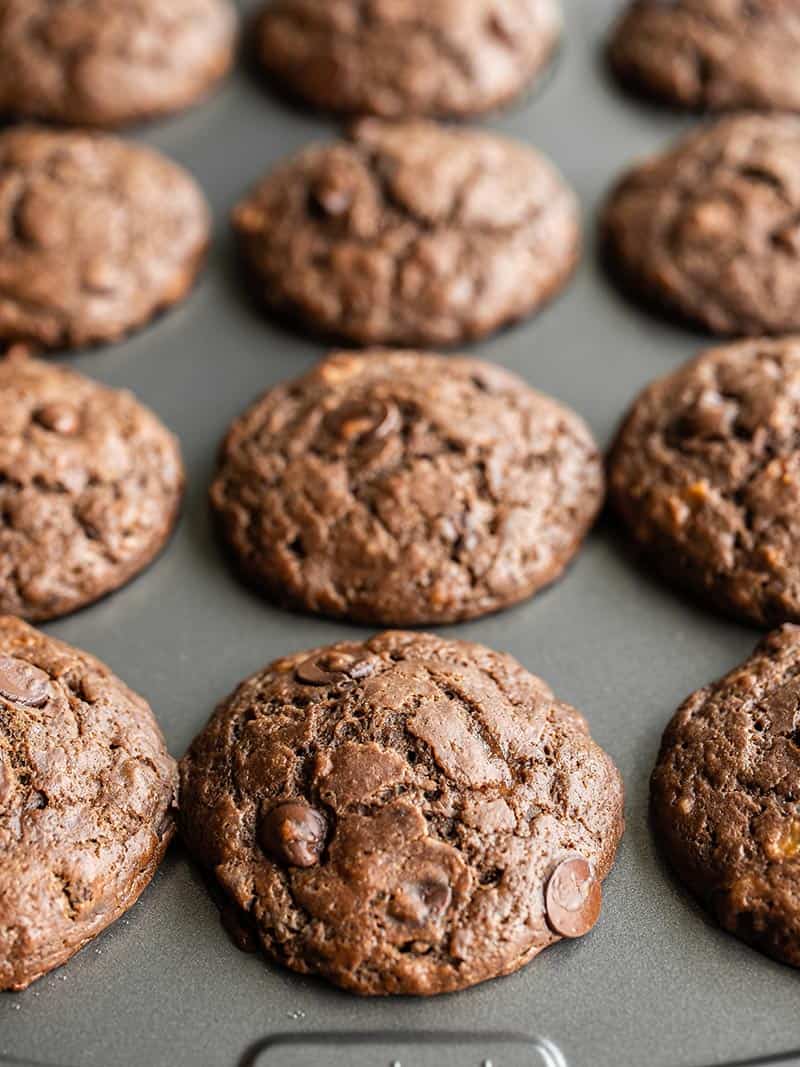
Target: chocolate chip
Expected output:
[420,902]
[58,417]
[364,420]
[710,416]
[309,672]
[293,833]
[331,667]
[22,683]
[573,898]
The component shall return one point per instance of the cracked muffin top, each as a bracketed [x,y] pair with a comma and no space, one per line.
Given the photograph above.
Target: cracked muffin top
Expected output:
[407,57]
[705,472]
[402,488]
[90,488]
[410,233]
[97,235]
[711,54]
[724,796]
[106,63]
[404,814]
[86,792]
[710,229]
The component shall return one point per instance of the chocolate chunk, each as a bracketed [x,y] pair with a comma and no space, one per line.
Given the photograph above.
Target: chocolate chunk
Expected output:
[22,683]
[573,898]
[293,834]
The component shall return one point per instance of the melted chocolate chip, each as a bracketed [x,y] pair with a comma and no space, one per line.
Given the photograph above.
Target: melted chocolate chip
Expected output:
[59,418]
[364,420]
[711,416]
[330,668]
[420,902]
[293,834]
[22,683]
[573,898]
[309,672]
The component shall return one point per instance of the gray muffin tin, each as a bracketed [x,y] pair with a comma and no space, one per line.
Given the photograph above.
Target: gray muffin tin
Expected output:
[655,984]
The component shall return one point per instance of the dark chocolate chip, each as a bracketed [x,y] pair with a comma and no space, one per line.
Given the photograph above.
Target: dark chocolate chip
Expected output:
[435,896]
[309,672]
[22,683]
[573,898]
[330,668]
[361,420]
[420,902]
[293,834]
[58,417]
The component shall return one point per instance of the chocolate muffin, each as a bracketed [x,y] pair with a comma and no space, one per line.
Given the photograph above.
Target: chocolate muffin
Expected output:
[90,488]
[711,54]
[105,63]
[403,488]
[724,800]
[86,795]
[705,473]
[97,235]
[404,814]
[410,234]
[709,230]
[411,58]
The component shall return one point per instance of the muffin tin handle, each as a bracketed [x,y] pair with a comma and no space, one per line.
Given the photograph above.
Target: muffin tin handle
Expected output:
[404,1049]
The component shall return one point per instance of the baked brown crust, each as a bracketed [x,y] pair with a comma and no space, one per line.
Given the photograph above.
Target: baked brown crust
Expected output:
[90,488]
[103,63]
[716,55]
[97,235]
[709,229]
[86,792]
[410,234]
[413,57]
[405,488]
[389,814]
[705,473]
[724,802]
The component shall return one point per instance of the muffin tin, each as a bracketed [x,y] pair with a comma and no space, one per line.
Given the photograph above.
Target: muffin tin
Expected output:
[655,984]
